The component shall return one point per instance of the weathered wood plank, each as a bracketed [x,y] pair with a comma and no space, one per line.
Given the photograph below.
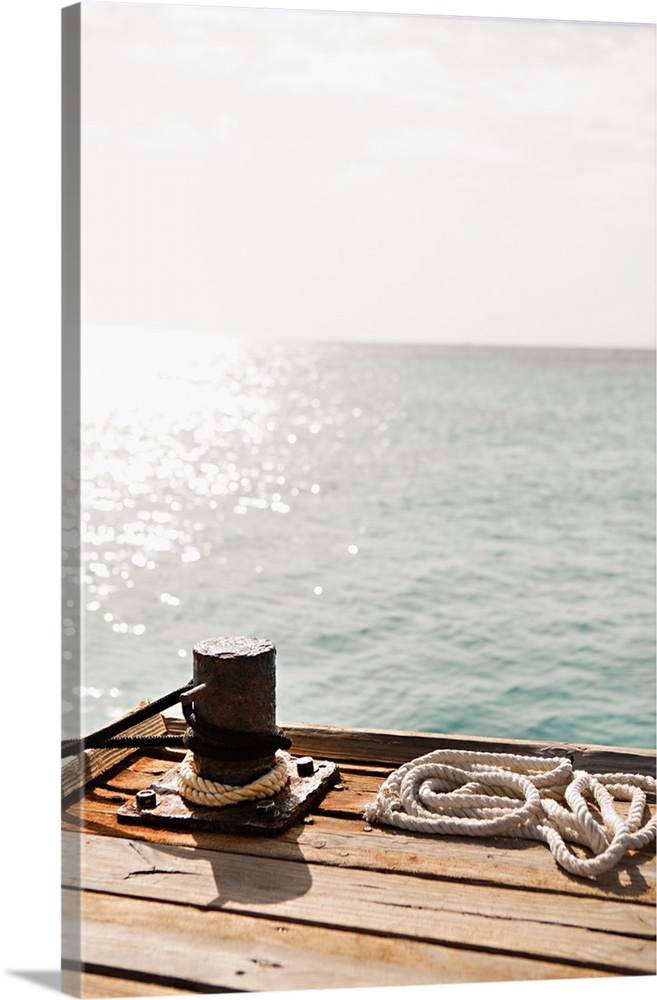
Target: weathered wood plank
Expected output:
[142,772]
[240,952]
[337,841]
[92,764]
[93,986]
[572,929]
[390,749]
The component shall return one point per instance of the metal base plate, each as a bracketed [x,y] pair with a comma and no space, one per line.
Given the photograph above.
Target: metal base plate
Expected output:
[265,817]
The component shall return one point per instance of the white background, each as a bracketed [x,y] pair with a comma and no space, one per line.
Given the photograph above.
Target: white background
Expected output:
[30,67]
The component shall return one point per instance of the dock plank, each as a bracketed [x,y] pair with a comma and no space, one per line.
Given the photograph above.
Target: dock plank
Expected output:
[393,748]
[507,920]
[230,951]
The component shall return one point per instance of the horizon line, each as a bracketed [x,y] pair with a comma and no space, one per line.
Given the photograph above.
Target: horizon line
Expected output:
[263,340]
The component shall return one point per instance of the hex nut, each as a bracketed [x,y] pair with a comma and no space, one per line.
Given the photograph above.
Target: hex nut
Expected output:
[146,799]
[305,767]
[266,806]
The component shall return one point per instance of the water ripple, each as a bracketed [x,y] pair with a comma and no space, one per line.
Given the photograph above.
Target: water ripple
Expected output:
[435,538]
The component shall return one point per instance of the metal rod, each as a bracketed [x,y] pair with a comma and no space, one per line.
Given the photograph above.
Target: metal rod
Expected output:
[74,746]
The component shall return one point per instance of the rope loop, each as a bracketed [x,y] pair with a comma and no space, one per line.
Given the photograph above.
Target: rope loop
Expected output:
[462,792]
[204,792]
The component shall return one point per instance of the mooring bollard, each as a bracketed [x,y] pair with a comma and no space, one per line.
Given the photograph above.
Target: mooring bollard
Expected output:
[232,740]
[238,675]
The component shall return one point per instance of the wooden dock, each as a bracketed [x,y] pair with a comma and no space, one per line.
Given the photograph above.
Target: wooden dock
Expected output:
[333,902]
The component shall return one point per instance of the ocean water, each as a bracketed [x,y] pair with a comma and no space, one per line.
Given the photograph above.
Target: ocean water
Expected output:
[457,539]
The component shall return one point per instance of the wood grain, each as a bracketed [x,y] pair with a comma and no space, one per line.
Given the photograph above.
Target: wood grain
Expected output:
[389,748]
[484,917]
[239,952]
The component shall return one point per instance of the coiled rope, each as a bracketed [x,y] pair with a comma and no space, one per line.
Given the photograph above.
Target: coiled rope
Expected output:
[461,792]
[204,792]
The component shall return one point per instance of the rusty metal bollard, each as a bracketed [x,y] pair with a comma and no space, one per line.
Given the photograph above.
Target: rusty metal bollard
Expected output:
[238,675]
[230,708]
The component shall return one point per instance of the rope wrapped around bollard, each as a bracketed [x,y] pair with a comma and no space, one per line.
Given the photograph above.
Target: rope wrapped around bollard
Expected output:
[224,744]
[467,793]
[205,792]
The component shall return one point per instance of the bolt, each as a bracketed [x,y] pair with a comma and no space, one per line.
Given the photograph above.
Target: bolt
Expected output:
[267,806]
[146,799]
[305,766]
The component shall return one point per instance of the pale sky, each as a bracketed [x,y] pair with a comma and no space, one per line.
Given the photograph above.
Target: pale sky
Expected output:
[269,173]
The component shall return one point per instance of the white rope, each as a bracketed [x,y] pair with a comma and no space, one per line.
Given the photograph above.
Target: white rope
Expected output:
[461,792]
[204,792]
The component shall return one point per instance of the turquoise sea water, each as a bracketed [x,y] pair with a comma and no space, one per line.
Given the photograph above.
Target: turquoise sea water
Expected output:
[456,539]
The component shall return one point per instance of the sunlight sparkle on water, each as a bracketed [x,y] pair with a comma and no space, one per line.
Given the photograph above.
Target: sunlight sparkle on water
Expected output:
[193,449]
